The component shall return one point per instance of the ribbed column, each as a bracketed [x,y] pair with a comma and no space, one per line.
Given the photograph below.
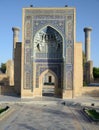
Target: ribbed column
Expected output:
[15,37]
[87,31]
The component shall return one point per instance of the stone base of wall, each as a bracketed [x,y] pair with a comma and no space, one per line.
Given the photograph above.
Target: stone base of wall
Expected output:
[10,72]
[78,70]
[58,92]
[37,92]
[67,94]
[26,94]
[88,72]
[77,92]
[90,91]
[7,90]
[4,79]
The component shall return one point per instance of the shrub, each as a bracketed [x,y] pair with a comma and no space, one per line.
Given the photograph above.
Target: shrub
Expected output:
[96,72]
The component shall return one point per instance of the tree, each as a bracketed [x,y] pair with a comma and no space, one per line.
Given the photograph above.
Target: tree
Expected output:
[96,72]
[3,67]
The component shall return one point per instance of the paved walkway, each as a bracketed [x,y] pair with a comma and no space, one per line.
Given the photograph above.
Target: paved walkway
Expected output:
[45,114]
[45,117]
[83,100]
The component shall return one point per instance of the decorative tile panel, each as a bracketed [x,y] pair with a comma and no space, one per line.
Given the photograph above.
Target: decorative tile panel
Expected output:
[56,68]
[61,20]
[28,52]
[69,80]
[58,24]
[69,55]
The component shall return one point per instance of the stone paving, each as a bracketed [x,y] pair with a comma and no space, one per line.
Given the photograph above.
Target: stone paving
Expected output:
[48,114]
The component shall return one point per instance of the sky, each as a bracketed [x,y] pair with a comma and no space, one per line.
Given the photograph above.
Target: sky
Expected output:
[87,15]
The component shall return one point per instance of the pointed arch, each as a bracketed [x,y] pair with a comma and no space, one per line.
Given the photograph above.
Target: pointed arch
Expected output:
[48,25]
[49,71]
[42,76]
[48,43]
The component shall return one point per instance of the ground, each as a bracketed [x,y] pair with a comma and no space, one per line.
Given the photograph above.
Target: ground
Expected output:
[45,114]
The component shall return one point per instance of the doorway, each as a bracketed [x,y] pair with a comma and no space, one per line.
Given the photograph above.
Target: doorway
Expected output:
[48,83]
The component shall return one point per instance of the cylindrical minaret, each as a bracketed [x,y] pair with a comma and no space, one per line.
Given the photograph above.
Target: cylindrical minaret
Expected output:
[87,31]
[15,37]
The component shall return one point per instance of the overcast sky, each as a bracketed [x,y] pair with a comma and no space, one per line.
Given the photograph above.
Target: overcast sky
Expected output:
[87,15]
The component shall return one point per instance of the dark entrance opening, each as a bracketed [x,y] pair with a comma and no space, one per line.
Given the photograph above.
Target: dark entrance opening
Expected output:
[50,79]
[48,85]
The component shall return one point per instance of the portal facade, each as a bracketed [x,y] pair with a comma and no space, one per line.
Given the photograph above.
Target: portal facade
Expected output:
[48,42]
[48,60]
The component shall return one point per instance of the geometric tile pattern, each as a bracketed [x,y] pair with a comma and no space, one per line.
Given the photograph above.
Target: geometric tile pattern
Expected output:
[62,20]
[56,68]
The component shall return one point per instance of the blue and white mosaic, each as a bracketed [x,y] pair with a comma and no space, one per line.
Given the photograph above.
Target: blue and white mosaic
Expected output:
[49,42]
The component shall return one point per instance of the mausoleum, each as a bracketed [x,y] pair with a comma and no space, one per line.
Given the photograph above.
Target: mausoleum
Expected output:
[49,55]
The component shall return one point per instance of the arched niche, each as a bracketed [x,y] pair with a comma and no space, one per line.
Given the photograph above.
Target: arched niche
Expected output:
[48,43]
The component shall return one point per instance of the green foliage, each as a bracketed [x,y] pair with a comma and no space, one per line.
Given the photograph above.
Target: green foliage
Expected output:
[84,83]
[3,67]
[4,109]
[93,113]
[96,72]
